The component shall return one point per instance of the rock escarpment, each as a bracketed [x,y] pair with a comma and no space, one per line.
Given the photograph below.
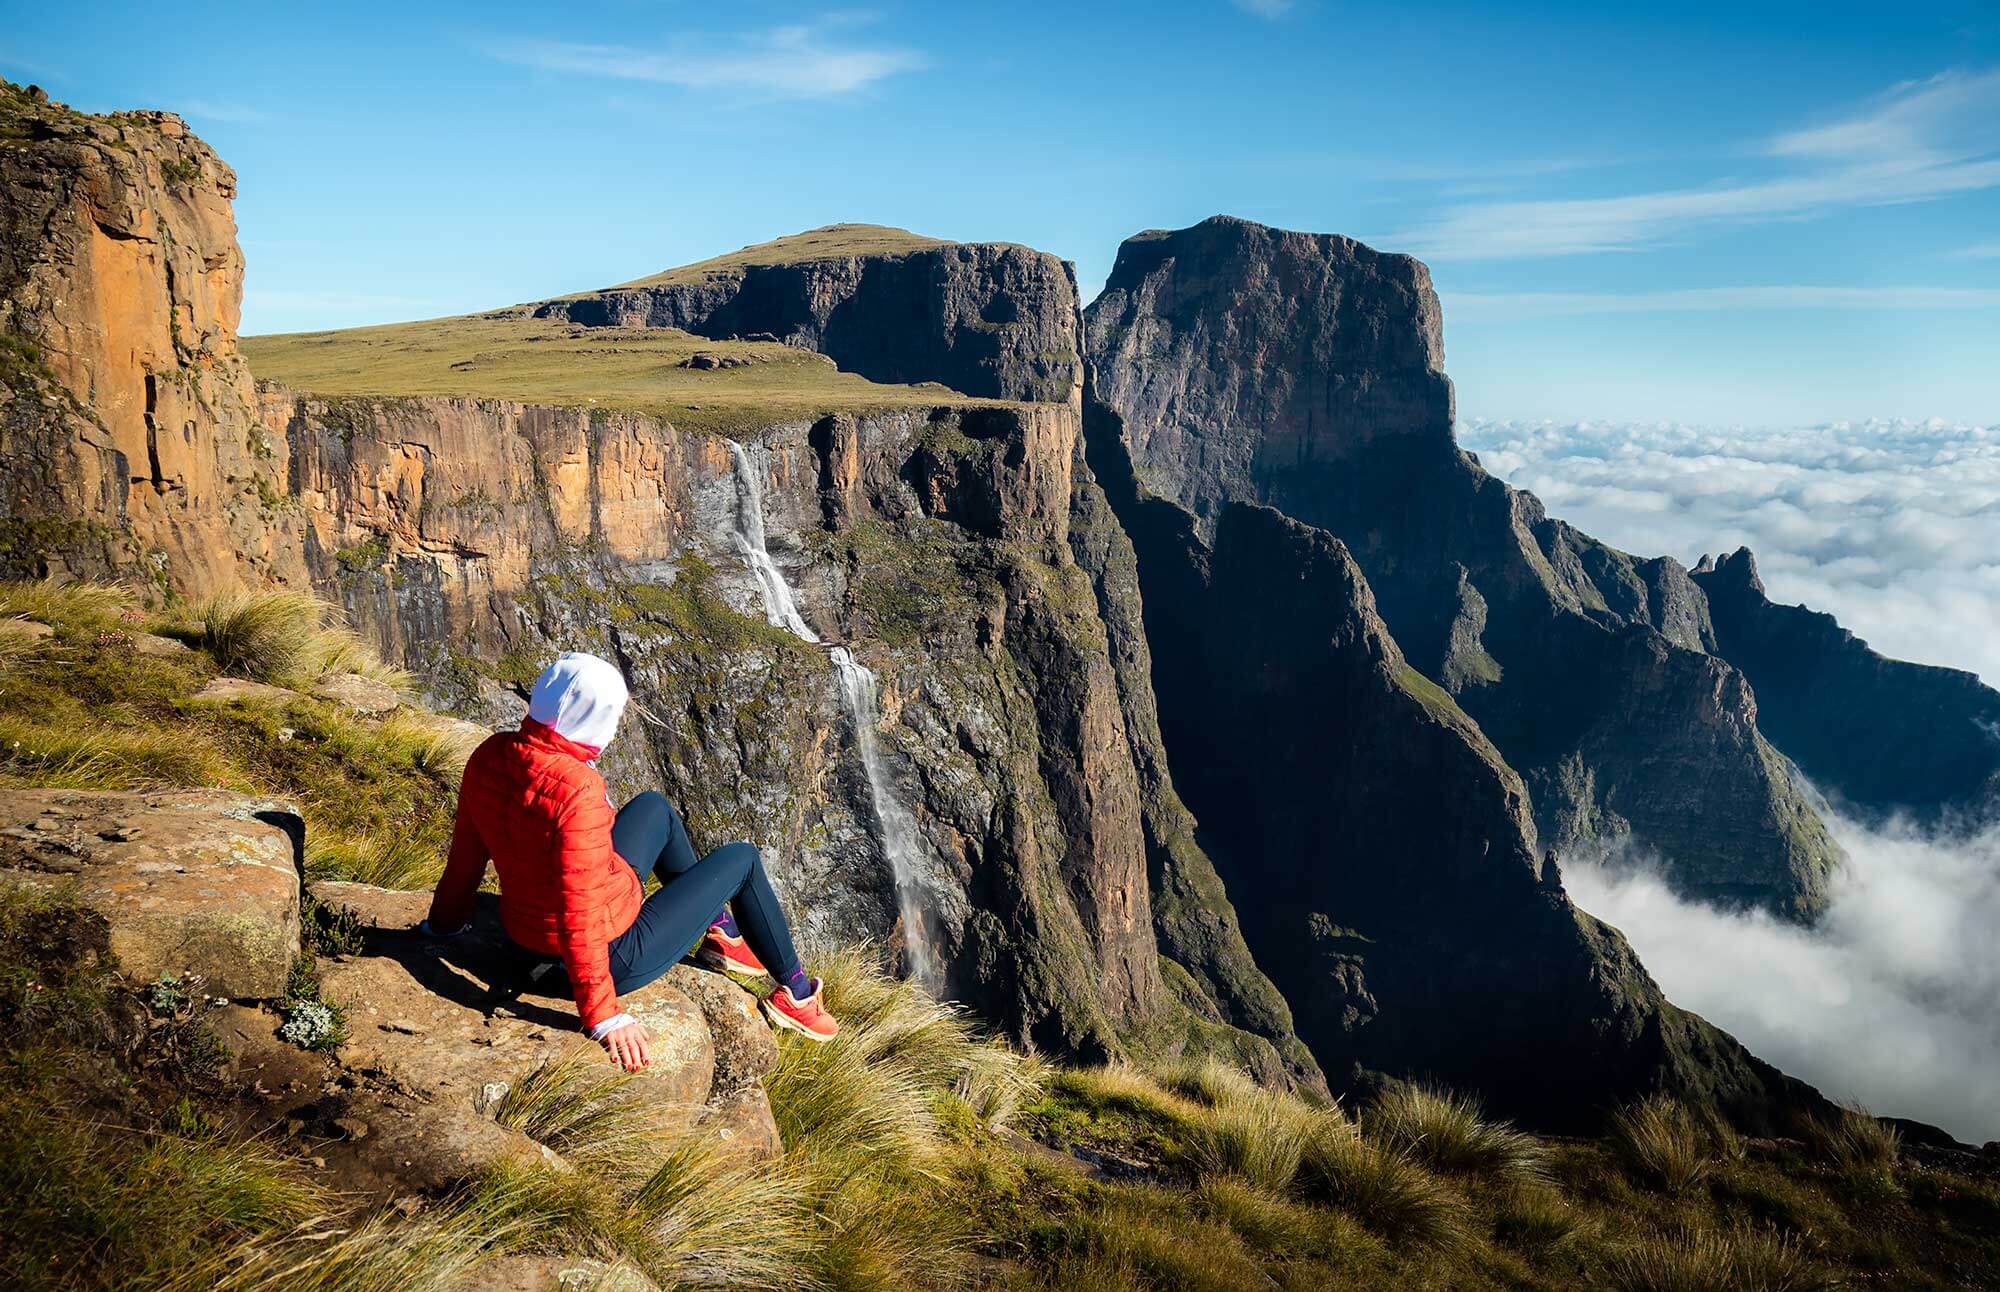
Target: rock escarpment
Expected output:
[128,438]
[1879,735]
[1305,372]
[992,320]
[1411,937]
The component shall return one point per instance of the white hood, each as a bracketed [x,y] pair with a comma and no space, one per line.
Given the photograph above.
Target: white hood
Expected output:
[581,697]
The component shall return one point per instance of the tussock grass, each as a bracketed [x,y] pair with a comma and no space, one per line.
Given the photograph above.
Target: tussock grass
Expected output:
[1132,1237]
[95,756]
[1538,1220]
[1853,1139]
[434,1251]
[590,1111]
[1205,1080]
[145,1209]
[1446,1132]
[285,637]
[386,861]
[1256,1135]
[82,604]
[1706,1258]
[1126,1089]
[1664,1142]
[1386,1190]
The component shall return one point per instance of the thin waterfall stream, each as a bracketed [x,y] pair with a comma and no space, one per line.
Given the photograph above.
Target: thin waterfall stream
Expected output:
[859,697]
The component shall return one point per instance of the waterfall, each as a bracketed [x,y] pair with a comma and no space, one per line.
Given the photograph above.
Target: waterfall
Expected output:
[895,824]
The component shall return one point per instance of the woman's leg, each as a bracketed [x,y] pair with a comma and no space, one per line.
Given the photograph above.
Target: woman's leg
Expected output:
[677,913]
[649,835]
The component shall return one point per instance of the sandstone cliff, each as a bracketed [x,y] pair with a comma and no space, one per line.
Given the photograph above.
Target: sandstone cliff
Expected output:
[1306,372]
[128,438]
[986,319]
[1879,735]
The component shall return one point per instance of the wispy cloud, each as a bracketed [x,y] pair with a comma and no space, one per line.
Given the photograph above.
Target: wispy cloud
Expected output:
[796,61]
[1979,251]
[1693,299]
[1916,143]
[1273,9]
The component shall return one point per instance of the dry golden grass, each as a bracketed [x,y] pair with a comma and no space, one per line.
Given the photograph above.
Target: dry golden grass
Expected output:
[1665,1143]
[1445,1131]
[1708,1258]
[287,638]
[103,757]
[541,361]
[1854,1139]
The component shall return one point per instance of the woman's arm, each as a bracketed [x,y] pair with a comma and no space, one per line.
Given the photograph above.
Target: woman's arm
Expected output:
[583,853]
[458,887]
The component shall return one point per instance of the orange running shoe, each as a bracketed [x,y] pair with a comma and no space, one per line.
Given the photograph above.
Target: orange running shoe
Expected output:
[807,1017]
[721,952]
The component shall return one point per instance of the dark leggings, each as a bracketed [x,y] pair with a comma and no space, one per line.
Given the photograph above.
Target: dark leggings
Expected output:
[650,837]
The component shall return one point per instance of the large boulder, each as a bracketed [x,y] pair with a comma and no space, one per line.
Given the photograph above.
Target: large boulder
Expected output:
[202,882]
[438,1017]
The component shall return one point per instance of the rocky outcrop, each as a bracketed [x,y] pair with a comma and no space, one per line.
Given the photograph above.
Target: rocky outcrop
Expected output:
[1379,849]
[992,320]
[1879,735]
[128,440]
[201,887]
[193,882]
[1304,371]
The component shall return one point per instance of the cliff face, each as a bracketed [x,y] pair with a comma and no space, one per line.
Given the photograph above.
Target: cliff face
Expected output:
[990,320]
[474,538]
[1880,735]
[1304,372]
[1409,938]
[128,440]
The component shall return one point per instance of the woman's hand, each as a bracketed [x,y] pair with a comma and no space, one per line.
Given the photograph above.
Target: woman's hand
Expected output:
[628,1047]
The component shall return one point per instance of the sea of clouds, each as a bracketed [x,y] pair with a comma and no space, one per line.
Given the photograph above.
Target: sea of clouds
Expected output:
[1893,527]
[1894,998]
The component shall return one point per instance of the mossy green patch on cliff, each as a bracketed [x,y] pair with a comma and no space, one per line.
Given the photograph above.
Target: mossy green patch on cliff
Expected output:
[541,361]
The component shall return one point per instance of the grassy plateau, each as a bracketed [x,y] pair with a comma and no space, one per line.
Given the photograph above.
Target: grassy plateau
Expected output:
[541,361]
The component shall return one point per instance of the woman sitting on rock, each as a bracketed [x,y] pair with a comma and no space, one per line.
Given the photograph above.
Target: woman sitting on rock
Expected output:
[571,875]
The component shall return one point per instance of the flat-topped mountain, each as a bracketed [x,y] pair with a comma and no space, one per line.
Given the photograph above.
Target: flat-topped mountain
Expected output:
[989,319]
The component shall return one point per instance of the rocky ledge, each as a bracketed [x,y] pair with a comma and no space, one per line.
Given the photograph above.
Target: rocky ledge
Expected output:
[201,889]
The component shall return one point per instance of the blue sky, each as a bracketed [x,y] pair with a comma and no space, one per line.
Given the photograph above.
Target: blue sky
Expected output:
[1763,213]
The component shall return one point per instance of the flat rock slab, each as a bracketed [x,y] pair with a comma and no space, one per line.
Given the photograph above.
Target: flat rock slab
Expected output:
[162,647]
[362,695]
[191,881]
[426,1013]
[240,690]
[368,1137]
[25,630]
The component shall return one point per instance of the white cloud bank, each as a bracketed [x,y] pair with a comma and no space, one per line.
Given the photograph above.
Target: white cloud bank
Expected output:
[1894,999]
[1894,527]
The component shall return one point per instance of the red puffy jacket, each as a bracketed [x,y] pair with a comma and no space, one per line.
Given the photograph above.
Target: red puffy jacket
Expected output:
[532,803]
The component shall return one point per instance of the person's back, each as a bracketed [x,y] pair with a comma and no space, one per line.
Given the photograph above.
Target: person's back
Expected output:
[542,814]
[572,872]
